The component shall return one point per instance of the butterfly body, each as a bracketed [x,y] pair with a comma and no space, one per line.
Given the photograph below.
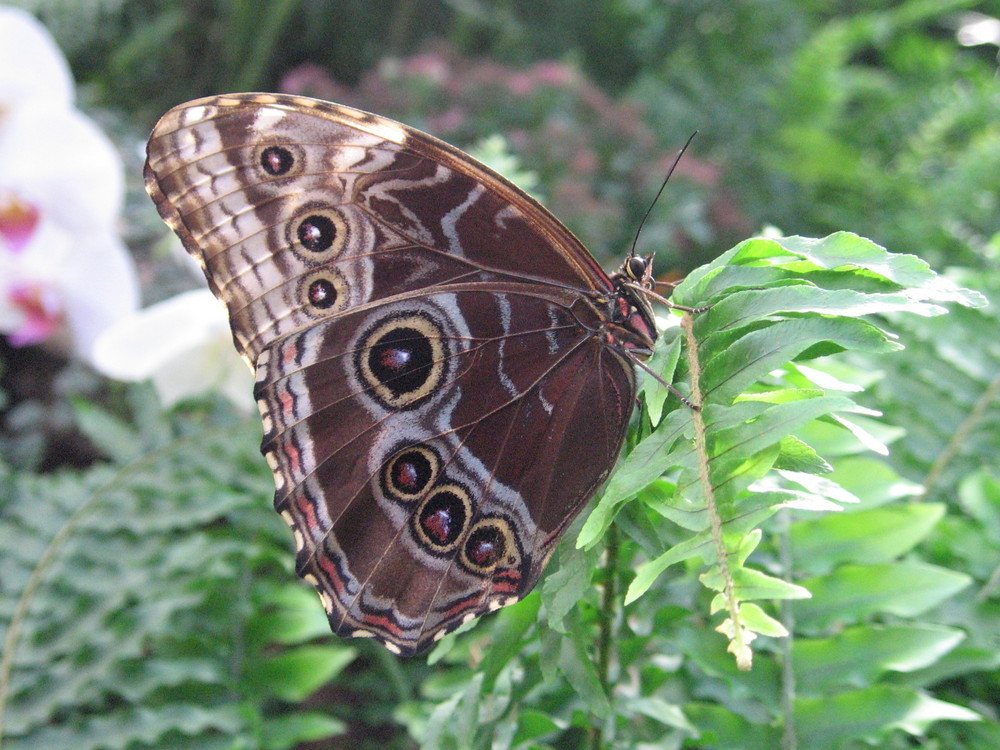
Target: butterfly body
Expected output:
[444,373]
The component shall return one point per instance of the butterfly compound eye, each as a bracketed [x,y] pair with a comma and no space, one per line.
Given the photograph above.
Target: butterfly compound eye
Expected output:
[635,267]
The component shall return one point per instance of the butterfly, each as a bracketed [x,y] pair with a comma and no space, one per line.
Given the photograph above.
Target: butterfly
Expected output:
[444,373]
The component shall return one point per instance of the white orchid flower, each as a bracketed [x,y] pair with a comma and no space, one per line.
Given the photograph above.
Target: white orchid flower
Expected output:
[31,66]
[183,345]
[64,273]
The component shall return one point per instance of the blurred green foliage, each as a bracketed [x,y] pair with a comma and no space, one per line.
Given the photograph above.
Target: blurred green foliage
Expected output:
[166,614]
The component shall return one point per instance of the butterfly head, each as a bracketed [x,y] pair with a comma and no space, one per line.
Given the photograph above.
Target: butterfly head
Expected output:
[633,327]
[639,269]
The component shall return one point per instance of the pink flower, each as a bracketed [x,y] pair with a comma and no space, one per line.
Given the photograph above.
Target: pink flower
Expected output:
[18,221]
[448,121]
[429,65]
[310,79]
[521,84]
[552,73]
[40,309]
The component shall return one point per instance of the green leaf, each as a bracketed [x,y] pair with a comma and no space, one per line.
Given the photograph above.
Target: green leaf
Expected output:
[659,710]
[509,628]
[872,480]
[642,525]
[299,672]
[294,614]
[647,573]
[731,474]
[979,496]
[663,363]
[820,486]
[753,584]
[441,719]
[647,461]
[834,440]
[578,668]
[728,729]
[730,367]
[700,545]
[859,655]
[757,620]
[847,250]
[818,493]
[841,254]
[853,592]
[796,455]
[742,308]
[828,379]
[568,584]
[467,715]
[831,720]
[290,730]
[962,660]
[532,724]
[865,437]
[700,285]
[872,536]
[110,434]
[774,424]
[146,725]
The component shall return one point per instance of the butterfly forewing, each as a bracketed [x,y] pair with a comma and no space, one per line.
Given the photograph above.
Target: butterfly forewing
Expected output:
[438,384]
[264,190]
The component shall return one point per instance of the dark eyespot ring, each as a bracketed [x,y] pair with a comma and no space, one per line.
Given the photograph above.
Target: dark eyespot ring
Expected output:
[276,160]
[491,544]
[402,359]
[406,476]
[323,292]
[318,234]
[442,518]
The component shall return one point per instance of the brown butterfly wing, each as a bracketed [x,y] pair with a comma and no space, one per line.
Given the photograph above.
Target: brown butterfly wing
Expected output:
[410,518]
[265,189]
[438,394]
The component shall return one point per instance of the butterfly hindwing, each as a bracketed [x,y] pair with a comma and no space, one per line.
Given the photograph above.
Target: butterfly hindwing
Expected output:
[388,505]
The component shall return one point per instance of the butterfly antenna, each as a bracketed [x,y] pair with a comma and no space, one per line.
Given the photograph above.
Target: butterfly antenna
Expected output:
[659,192]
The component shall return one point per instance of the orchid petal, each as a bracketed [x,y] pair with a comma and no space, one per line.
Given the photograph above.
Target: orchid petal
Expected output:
[18,220]
[183,344]
[99,287]
[59,160]
[31,65]
[40,313]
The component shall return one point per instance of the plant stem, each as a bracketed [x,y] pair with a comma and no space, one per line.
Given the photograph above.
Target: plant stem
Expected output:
[608,609]
[737,645]
[960,436]
[606,637]
[789,739]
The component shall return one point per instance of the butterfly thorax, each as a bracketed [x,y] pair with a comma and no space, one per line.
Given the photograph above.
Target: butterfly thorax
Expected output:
[631,323]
